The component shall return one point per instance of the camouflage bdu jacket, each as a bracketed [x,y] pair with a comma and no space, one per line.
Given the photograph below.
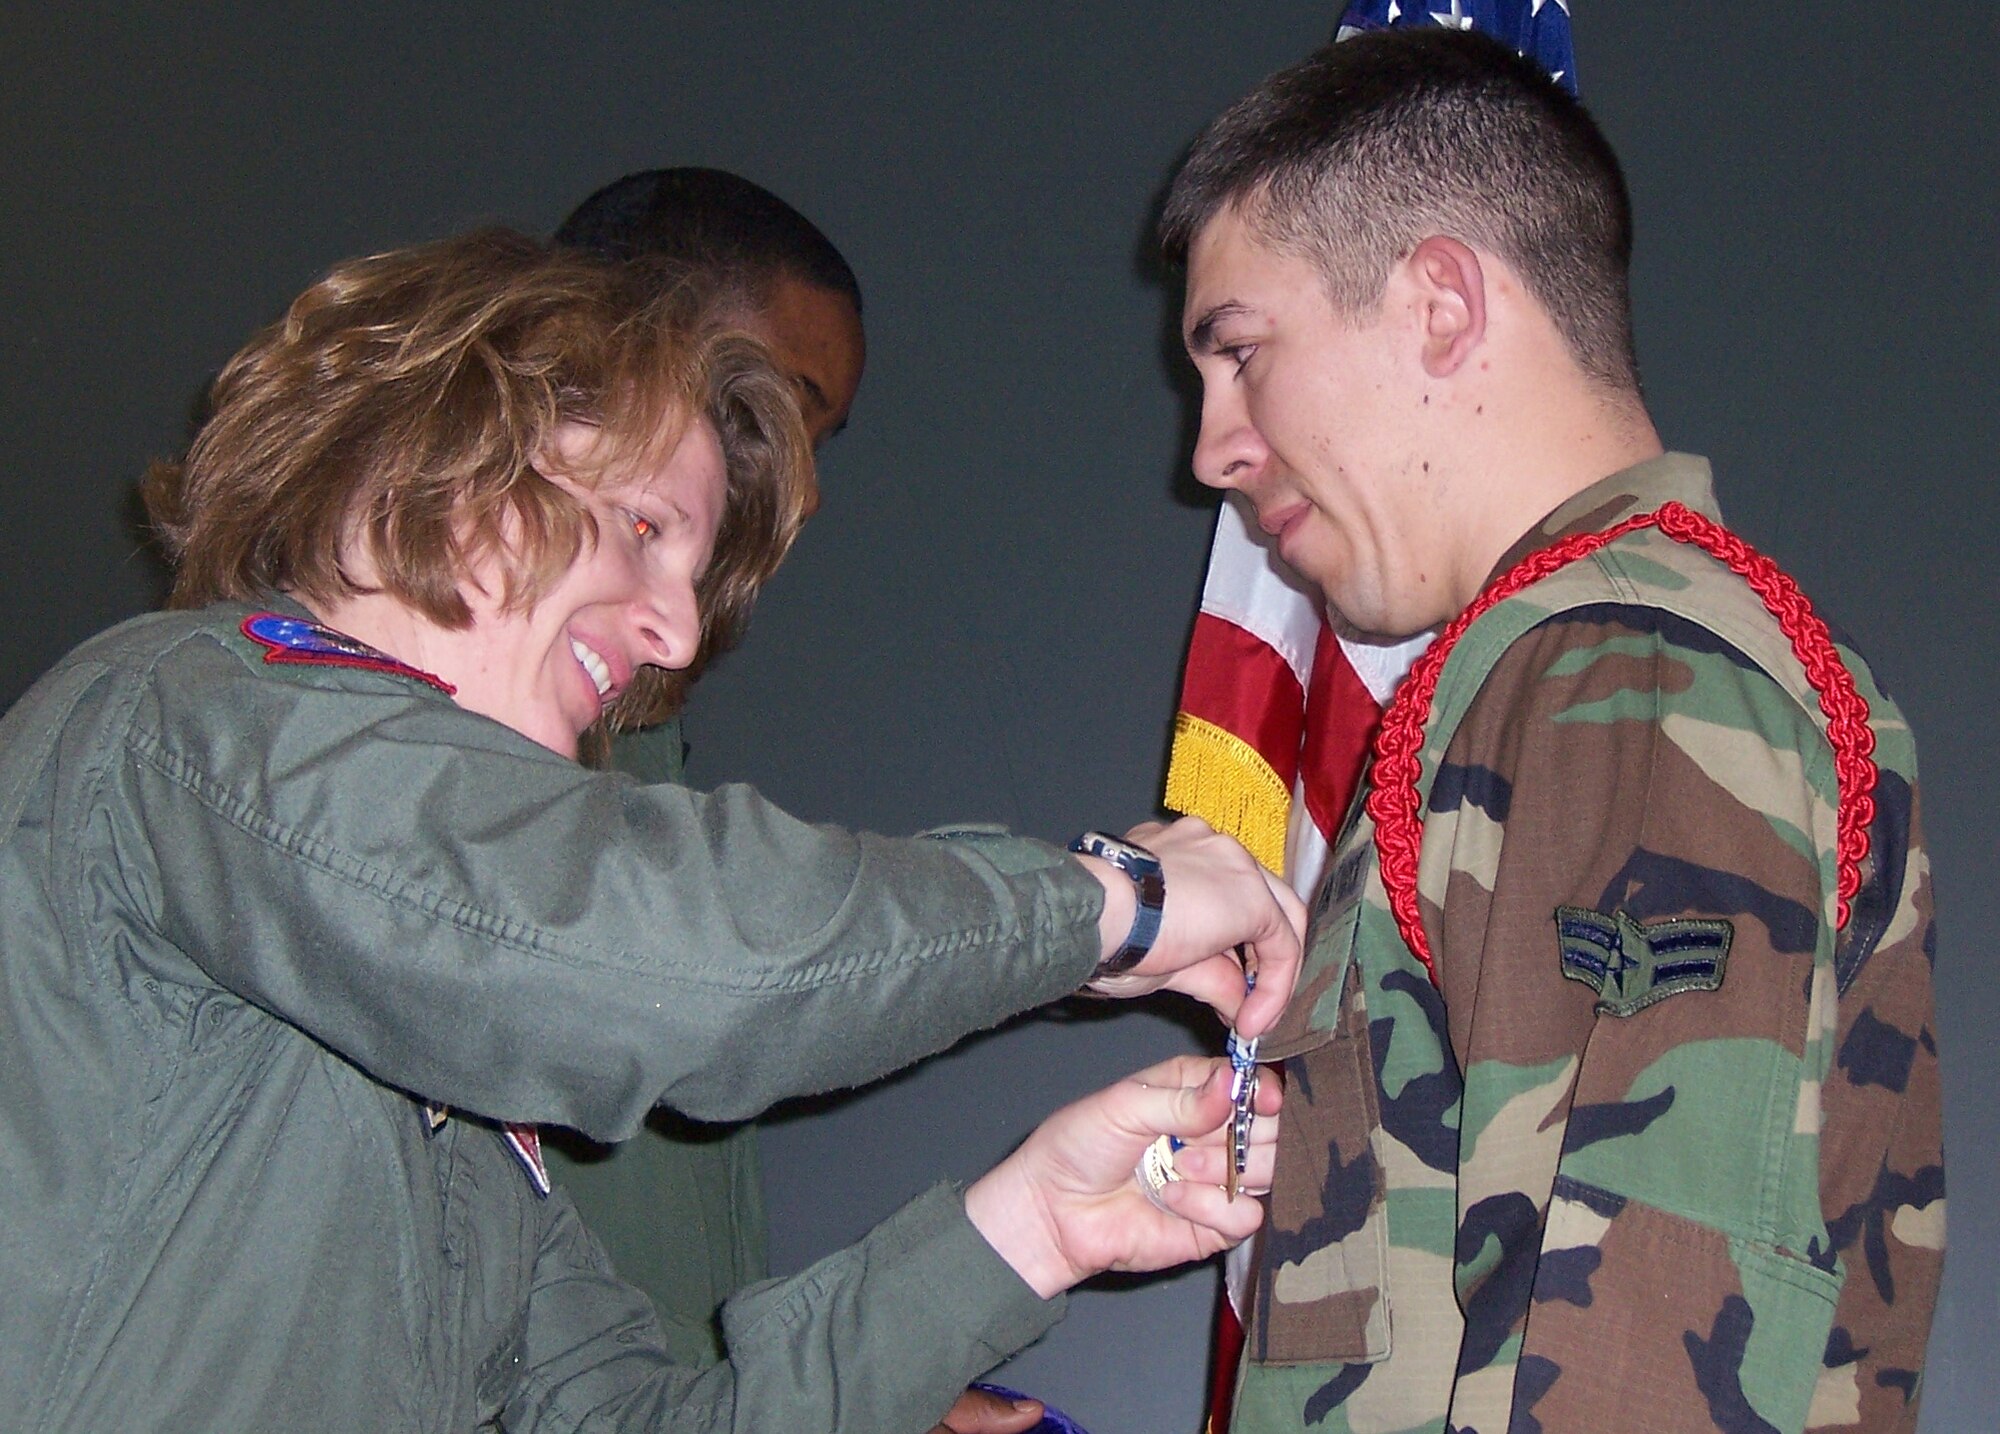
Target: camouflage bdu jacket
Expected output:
[1664,1156]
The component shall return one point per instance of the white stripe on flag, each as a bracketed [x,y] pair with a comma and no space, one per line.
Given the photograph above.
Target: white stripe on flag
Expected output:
[1250,586]
[1381,666]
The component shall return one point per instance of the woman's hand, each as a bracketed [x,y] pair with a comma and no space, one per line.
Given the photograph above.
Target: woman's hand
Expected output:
[1066,1205]
[1218,900]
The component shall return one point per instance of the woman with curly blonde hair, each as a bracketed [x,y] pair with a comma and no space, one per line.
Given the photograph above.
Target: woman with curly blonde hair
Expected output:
[317,911]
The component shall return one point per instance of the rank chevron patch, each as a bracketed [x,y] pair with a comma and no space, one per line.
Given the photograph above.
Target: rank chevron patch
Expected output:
[1632,964]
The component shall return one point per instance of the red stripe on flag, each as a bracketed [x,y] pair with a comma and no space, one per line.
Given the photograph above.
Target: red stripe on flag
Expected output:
[1340,721]
[1240,683]
[1226,1353]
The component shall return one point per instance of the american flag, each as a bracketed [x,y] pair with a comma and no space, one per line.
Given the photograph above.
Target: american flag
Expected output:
[1538,29]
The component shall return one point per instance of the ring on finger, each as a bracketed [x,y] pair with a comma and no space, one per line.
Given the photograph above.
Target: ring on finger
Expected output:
[1155,1170]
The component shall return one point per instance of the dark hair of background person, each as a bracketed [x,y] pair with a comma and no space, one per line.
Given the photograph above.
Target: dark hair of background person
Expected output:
[712,221]
[1357,154]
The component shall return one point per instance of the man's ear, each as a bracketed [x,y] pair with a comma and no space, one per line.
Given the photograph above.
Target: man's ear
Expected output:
[1451,302]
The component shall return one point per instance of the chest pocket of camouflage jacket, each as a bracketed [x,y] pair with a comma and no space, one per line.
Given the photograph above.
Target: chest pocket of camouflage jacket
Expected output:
[1322,1267]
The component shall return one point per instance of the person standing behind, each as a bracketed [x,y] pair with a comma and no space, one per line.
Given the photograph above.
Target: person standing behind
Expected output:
[777,277]
[680,1206]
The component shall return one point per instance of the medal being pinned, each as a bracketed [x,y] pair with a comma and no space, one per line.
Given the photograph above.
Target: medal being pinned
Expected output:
[1242,1099]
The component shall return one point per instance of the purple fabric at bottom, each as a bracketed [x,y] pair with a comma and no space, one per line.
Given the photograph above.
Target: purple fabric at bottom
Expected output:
[1054,1421]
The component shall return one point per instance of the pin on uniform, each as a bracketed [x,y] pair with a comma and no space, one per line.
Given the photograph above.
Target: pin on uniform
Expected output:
[1242,1097]
[1156,1169]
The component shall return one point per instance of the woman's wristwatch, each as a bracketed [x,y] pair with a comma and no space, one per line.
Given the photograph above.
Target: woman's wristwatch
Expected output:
[1149,885]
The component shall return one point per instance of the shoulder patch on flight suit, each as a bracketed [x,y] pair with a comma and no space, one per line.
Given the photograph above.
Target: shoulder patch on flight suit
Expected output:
[1632,964]
[295,640]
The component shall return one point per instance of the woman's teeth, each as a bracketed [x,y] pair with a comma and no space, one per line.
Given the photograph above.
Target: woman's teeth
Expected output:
[599,670]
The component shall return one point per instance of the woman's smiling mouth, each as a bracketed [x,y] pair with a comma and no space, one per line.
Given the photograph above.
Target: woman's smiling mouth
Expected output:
[598,669]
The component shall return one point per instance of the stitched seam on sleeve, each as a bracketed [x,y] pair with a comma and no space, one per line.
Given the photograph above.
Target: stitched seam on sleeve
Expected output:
[532,940]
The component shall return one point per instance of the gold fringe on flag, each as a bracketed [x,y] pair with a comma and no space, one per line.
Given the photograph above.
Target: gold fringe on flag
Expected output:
[1217,776]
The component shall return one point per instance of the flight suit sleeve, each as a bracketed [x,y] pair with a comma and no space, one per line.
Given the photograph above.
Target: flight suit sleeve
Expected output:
[877,1338]
[1633,946]
[474,919]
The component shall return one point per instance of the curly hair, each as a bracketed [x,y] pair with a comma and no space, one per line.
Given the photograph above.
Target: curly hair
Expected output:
[407,402]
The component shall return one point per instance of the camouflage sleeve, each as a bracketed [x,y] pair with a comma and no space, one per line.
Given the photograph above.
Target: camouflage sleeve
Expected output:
[1881,1141]
[1647,1011]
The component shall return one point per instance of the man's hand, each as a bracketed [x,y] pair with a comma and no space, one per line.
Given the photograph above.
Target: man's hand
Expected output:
[1218,899]
[1066,1205]
[981,1411]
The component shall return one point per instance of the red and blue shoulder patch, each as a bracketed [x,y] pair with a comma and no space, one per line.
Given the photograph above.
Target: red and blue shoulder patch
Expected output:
[312,644]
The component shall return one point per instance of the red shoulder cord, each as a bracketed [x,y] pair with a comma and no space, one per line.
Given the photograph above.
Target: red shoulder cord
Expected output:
[1392,802]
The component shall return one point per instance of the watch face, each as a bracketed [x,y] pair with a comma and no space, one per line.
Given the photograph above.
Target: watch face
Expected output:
[1149,882]
[1122,854]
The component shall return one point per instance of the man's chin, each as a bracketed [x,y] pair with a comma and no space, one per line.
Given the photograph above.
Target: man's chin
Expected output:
[1350,631]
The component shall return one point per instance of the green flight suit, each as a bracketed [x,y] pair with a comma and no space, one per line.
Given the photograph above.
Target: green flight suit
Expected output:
[265,905]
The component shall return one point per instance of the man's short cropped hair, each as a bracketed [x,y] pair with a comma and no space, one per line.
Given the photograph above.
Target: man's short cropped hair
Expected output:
[720,226]
[406,404]
[1357,154]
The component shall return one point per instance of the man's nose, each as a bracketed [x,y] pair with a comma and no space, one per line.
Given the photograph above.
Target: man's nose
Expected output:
[1229,449]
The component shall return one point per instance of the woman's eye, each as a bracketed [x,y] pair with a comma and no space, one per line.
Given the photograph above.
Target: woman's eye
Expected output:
[1239,354]
[643,527]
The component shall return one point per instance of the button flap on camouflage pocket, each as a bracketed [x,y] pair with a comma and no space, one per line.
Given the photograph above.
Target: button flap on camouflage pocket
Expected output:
[1310,1019]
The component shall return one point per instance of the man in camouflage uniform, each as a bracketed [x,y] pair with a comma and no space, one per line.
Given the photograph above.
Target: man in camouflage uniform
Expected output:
[1647,1136]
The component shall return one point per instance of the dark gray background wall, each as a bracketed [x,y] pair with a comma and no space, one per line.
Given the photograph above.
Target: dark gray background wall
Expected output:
[986,619]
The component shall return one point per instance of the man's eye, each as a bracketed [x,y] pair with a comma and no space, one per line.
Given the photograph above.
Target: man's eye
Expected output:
[1239,354]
